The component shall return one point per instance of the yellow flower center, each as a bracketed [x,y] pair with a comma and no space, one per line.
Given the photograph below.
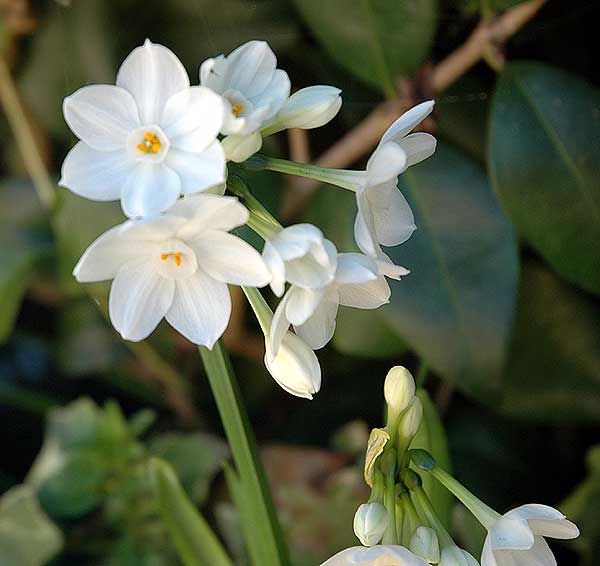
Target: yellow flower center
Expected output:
[151,144]
[176,257]
[236,109]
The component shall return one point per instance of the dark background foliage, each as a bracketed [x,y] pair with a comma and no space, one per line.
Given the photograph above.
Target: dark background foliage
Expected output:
[502,304]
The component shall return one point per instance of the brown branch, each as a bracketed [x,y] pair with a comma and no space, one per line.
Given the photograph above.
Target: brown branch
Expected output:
[363,137]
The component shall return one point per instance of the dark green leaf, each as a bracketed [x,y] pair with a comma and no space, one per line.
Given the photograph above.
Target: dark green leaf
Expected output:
[456,307]
[544,160]
[582,507]
[377,40]
[553,374]
[27,536]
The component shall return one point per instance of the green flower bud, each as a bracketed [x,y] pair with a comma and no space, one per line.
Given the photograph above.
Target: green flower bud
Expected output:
[370,522]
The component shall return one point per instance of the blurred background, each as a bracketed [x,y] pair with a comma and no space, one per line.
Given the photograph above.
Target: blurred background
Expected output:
[501,313]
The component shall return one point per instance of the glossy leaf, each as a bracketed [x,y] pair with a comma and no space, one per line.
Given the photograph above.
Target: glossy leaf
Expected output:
[27,536]
[456,307]
[544,161]
[555,355]
[377,40]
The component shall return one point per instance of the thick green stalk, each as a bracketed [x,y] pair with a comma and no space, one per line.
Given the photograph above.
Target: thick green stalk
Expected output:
[340,177]
[265,525]
[423,503]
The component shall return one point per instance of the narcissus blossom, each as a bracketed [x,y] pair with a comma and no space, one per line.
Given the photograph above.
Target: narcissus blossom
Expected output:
[517,537]
[252,88]
[146,140]
[381,555]
[175,266]
[310,107]
[356,283]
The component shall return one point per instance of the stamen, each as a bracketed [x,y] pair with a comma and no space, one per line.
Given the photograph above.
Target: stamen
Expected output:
[176,257]
[151,143]
[236,109]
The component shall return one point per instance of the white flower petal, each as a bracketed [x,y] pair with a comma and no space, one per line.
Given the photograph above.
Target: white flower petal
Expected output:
[545,521]
[201,309]
[198,171]
[108,253]
[101,115]
[302,303]
[363,226]
[380,555]
[295,367]
[150,189]
[250,68]
[369,295]
[408,121]
[93,174]
[418,147]
[139,298]
[355,268]
[208,212]
[152,74]
[393,218]
[279,328]
[155,229]
[320,327]
[295,241]
[316,269]
[386,163]
[388,268]
[238,148]
[213,73]
[538,555]
[511,534]
[274,95]
[229,259]
[276,267]
[196,114]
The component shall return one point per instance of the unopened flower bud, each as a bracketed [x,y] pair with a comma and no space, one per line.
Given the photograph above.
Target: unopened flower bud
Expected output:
[399,388]
[424,543]
[411,420]
[454,556]
[308,108]
[239,148]
[295,367]
[370,522]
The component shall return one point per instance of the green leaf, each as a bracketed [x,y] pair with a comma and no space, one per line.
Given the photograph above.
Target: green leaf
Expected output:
[364,333]
[27,536]
[196,458]
[431,436]
[456,307]
[544,160]
[196,544]
[376,40]
[554,364]
[582,506]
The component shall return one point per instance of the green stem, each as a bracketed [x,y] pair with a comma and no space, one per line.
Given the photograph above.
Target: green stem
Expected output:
[427,509]
[483,513]
[388,467]
[340,177]
[411,520]
[260,307]
[245,455]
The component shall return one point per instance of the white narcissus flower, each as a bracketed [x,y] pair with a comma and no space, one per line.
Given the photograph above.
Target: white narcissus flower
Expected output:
[517,537]
[454,556]
[308,108]
[146,140]
[370,522]
[301,255]
[381,555]
[175,266]
[252,87]
[356,283]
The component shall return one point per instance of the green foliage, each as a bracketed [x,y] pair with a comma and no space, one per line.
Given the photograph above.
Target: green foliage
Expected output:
[456,307]
[27,536]
[376,40]
[544,160]
[582,508]
[554,361]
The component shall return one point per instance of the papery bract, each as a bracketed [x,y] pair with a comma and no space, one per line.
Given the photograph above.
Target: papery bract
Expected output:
[146,140]
[175,266]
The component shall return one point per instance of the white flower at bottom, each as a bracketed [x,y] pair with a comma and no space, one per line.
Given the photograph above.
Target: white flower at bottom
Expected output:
[175,266]
[295,367]
[454,556]
[147,139]
[381,555]
[516,538]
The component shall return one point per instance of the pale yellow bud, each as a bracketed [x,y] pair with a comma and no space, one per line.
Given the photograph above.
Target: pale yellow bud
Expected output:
[411,420]
[399,388]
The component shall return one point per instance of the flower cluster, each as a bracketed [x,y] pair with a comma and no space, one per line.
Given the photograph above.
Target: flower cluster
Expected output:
[399,526]
[161,146]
